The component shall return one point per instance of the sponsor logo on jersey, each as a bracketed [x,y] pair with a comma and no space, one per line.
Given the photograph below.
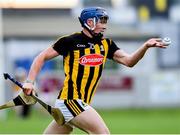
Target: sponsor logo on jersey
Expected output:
[91,60]
[91,46]
[80,45]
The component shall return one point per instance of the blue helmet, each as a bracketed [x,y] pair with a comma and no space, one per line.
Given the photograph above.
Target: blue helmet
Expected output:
[92,12]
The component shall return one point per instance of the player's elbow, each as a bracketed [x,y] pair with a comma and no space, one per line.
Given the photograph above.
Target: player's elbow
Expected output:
[130,64]
[127,64]
[126,61]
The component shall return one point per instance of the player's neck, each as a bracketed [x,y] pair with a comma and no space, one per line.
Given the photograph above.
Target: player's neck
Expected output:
[86,32]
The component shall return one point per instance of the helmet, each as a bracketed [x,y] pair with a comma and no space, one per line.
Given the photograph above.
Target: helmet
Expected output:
[92,12]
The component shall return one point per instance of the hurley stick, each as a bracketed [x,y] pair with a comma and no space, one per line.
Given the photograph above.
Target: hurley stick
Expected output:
[54,112]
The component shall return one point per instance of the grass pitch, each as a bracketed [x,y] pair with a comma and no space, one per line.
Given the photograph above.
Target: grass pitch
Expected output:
[119,121]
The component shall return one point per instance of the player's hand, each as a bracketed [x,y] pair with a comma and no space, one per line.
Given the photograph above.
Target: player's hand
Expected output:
[28,88]
[155,42]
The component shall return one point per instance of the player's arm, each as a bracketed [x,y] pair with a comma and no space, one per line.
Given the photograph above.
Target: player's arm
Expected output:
[36,66]
[130,60]
[39,60]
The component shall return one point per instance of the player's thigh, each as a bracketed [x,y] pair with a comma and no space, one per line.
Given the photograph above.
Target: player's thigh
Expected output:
[54,128]
[91,122]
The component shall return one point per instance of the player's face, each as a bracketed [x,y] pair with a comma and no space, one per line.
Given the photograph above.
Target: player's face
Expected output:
[101,25]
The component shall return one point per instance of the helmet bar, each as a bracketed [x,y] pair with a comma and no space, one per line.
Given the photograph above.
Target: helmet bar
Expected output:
[103,19]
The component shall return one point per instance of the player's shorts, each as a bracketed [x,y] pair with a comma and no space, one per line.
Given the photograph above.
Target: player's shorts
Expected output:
[71,108]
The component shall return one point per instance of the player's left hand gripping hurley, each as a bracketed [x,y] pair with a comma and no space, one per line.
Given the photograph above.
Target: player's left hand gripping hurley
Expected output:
[23,99]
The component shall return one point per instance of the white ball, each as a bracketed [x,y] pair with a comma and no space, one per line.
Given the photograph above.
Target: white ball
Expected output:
[166,41]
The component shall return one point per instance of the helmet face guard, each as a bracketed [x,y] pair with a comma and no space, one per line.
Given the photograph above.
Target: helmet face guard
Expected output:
[103,19]
[97,14]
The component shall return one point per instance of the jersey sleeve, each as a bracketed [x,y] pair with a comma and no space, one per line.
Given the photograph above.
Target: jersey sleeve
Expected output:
[61,46]
[112,48]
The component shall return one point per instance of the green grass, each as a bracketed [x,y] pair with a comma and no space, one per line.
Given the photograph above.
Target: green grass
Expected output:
[34,124]
[124,121]
[145,121]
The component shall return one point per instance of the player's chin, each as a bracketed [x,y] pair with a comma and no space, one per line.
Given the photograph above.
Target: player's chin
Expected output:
[102,31]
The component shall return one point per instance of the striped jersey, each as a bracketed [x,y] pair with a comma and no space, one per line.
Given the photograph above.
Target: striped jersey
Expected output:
[83,60]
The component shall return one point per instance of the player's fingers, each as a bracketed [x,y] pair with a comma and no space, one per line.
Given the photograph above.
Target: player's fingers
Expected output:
[27,91]
[154,42]
[160,45]
[163,47]
[158,39]
[28,88]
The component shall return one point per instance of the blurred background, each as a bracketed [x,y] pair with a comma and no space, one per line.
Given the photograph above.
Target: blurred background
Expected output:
[142,99]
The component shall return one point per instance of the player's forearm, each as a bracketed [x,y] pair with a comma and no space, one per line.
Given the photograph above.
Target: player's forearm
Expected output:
[35,68]
[137,55]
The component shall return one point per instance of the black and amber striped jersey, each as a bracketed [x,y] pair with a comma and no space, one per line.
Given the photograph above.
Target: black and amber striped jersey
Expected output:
[83,59]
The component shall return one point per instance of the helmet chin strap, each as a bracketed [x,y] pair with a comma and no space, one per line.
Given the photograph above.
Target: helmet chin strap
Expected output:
[94,22]
[91,30]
